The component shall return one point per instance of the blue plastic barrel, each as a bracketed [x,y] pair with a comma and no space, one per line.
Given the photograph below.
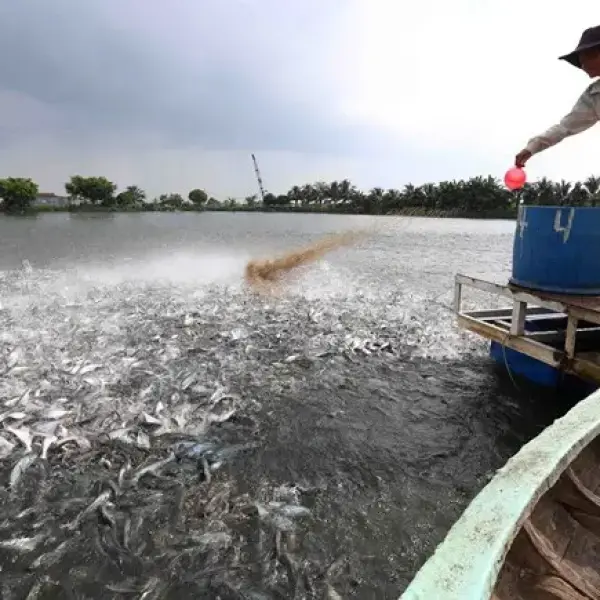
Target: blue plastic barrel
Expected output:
[557,249]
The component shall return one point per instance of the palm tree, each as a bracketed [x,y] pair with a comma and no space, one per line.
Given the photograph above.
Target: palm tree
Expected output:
[592,185]
[130,196]
[295,195]
[563,192]
[545,192]
[579,196]
[136,193]
[392,200]
[476,195]
[340,192]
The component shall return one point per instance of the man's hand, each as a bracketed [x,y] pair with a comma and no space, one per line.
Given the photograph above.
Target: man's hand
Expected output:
[522,158]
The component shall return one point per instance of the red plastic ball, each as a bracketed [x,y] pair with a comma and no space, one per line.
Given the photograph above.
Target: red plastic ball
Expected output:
[515,178]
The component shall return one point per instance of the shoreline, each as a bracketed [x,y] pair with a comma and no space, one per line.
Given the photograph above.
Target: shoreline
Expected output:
[498,214]
[476,198]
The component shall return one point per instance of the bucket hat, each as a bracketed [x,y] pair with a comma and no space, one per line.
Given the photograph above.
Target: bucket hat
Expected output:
[590,38]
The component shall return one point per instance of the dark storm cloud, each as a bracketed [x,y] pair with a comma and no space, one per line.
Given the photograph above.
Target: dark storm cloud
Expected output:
[200,73]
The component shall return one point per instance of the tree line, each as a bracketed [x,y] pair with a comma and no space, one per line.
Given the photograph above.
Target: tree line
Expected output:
[477,196]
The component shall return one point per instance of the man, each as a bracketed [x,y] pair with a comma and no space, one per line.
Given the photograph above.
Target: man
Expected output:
[586,111]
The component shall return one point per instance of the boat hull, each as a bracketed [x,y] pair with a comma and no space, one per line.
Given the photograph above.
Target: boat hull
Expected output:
[534,531]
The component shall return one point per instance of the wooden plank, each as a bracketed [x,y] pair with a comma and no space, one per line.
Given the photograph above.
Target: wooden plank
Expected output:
[534,313]
[457,295]
[588,312]
[506,292]
[533,348]
[586,369]
[581,364]
[517,322]
[548,314]
[548,337]
[570,336]
[489,313]
[585,314]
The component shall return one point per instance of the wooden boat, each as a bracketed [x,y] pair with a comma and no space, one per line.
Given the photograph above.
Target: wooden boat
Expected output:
[533,533]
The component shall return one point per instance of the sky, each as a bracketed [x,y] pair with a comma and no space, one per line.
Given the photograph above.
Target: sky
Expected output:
[176,95]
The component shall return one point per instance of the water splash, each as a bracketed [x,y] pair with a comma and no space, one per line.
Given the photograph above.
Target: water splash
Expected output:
[141,391]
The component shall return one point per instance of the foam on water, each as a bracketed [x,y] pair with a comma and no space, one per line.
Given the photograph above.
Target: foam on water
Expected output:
[177,268]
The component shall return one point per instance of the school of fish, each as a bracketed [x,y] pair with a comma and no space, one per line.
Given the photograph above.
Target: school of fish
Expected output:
[123,412]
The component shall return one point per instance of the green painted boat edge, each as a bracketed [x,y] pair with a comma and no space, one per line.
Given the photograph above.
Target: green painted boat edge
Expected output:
[466,564]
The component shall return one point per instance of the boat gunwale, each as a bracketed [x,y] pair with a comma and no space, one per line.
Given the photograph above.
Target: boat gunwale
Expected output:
[466,565]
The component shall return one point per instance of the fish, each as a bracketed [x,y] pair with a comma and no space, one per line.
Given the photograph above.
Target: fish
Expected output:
[102,499]
[49,559]
[14,416]
[56,413]
[82,442]
[210,453]
[12,359]
[151,588]
[84,370]
[23,435]
[131,396]
[47,442]
[288,510]
[122,472]
[331,593]
[20,467]
[36,588]
[6,448]
[211,540]
[152,468]
[150,419]
[193,449]
[127,533]
[22,400]
[142,440]
[23,544]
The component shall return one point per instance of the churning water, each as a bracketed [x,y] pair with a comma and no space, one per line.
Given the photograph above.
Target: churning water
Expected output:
[166,433]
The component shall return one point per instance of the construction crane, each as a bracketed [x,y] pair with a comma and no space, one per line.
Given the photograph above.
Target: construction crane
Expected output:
[260,184]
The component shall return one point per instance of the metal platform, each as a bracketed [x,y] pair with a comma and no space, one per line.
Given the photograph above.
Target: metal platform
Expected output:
[571,344]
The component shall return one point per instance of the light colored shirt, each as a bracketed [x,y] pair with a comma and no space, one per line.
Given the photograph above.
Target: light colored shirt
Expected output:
[583,115]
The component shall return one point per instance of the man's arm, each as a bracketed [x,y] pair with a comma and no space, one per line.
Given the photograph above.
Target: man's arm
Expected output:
[581,117]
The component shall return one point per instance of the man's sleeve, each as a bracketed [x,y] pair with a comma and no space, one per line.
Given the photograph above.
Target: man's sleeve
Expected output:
[582,116]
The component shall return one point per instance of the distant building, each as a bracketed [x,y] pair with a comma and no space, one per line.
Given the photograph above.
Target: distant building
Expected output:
[50,199]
